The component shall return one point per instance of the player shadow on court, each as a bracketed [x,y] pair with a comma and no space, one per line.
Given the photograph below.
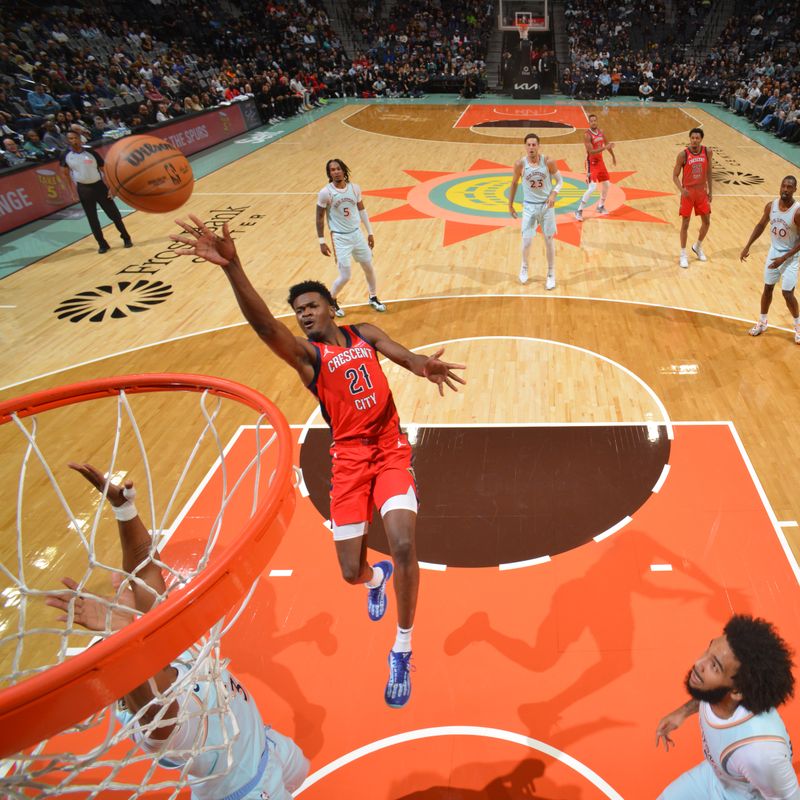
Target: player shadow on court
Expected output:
[526,779]
[255,641]
[610,622]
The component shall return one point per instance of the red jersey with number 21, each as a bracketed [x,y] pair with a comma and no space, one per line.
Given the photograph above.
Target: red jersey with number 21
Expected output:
[353,392]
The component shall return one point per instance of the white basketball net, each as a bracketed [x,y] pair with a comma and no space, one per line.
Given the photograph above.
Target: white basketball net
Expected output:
[99,754]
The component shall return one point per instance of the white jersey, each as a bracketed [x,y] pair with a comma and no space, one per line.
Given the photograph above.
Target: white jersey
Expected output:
[341,206]
[537,182]
[218,720]
[782,227]
[751,754]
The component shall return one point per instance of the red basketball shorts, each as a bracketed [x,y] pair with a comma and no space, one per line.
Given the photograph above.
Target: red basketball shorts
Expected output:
[365,473]
[697,201]
[597,172]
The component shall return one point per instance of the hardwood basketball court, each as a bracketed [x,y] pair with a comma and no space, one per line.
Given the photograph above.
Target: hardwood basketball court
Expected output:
[536,674]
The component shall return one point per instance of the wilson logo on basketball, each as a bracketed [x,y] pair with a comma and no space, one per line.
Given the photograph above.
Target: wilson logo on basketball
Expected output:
[114,301]
[140,154]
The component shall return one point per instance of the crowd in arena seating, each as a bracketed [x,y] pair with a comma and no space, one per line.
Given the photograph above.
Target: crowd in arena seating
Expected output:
[753,66]
[424,42]
[758,58]
[78,69]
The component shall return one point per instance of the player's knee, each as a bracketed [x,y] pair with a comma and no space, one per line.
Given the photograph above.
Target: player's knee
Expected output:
[526,242]
[404,553]
[788,295]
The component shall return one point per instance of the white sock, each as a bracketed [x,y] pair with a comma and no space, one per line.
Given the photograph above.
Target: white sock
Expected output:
[797,322]
[377,576]
[763,318]
[683,251]
[402,644]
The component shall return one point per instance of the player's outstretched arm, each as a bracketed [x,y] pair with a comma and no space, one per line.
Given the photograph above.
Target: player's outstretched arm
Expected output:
[134,538]
[760,227]
[430,367]
[221,250]
[138,561]
[673,721]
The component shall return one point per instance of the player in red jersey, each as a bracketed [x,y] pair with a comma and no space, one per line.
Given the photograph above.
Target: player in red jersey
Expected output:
[371,457]
[595,142]
[692,177]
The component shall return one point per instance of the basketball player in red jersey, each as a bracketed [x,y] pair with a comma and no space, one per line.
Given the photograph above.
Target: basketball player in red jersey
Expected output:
[692,177]
[371,457]
[595,142]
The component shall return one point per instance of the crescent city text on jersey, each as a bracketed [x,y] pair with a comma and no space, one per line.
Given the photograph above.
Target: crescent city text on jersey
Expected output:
[349,355]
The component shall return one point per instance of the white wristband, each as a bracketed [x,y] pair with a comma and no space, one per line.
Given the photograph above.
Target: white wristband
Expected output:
[322,240]
[127,511]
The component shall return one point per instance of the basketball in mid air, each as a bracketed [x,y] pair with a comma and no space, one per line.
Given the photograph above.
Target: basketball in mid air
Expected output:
[149,174]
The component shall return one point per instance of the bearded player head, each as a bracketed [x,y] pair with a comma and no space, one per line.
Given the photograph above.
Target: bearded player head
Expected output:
[748,665]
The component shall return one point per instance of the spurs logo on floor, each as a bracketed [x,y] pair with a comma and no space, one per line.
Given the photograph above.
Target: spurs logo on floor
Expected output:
[113,301]
[475,202]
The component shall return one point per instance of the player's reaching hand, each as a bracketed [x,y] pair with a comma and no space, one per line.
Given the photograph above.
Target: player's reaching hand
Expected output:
[204,243]
[98,480]
[665,727]
[94,612]
[744,254]
[441,372]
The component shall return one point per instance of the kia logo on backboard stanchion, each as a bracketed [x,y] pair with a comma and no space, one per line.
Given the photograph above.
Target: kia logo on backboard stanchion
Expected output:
[526,87]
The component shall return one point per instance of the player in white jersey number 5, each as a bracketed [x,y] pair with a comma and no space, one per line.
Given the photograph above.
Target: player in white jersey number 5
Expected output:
[341,202]
[736,687]
[541,183]
[188,716]
[783,217]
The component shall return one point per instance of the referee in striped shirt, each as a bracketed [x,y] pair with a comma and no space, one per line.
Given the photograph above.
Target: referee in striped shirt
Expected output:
[85,166]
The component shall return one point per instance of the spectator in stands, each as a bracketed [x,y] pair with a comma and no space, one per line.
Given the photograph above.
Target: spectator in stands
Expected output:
[6,131]
[40,103]
[616,80]
[769,107]
[742,106]
[13,155]
[163,113]
[604,83]
[33,148]
[153,94]
[645,91]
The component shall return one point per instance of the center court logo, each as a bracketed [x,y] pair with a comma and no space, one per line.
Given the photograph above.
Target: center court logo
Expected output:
[476,202]
[114,301]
